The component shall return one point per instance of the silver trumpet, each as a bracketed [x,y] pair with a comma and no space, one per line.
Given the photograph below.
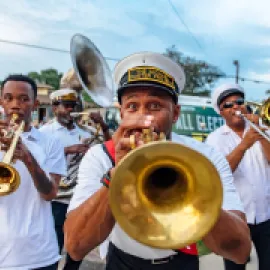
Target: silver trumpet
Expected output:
[238,113]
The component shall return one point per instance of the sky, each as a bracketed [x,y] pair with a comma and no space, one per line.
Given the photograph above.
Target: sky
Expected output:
[218,32]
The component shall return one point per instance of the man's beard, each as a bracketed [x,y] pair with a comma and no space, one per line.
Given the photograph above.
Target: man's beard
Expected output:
[66,121]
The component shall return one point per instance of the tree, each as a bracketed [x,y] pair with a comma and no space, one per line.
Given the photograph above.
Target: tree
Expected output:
[200,75]
[48,76]
[268,92]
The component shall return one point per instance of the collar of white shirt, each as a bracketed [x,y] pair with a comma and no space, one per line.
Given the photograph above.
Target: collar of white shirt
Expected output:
[58,126]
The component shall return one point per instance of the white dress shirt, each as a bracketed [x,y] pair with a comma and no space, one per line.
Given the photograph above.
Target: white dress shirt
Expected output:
[252,176]
[68,138]
[95,163]
[27,235]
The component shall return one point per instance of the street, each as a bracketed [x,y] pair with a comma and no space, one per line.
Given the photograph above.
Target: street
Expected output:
[210,262]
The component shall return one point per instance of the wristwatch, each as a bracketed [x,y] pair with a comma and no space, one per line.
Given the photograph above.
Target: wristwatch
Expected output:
[106,178]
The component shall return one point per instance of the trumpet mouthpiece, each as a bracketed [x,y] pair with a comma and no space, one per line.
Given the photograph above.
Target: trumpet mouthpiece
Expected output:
[74,114]
[238,113]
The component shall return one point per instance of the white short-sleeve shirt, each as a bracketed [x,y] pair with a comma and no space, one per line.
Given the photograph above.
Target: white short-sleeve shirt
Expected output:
[252,176]
[27,234]
[68,138]
[95,163]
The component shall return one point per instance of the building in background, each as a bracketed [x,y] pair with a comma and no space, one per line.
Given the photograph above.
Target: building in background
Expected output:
[44,110]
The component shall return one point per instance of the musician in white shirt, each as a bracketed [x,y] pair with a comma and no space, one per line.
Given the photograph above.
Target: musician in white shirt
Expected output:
[150,100]
[27,235]
[76,142]
[248,154]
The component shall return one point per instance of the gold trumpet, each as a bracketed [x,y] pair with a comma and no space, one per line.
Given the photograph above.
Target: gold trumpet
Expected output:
[9,176]
[165,195]
[263,110]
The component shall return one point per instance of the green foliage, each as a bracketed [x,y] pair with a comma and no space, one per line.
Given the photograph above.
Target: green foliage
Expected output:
[86,97]
[48,76]
[200,75]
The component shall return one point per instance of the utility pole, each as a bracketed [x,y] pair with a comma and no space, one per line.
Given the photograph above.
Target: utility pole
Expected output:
[236,63]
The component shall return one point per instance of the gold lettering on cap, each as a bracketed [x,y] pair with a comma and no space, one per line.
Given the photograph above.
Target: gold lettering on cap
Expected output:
[151,74]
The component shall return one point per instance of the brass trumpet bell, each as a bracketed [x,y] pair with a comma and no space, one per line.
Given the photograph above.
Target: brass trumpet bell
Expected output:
[263,110]
[9,176]
[9,179]
[166,195]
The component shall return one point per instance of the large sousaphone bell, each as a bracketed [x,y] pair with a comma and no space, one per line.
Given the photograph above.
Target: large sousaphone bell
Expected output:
[166,195]
[92,70]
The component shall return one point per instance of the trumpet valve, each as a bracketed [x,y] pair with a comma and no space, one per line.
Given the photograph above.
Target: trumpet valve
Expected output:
[238,113]
[162,136]
[4,187]
[147,135]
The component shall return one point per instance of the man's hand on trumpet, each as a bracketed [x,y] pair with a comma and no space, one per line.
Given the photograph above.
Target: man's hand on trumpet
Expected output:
[251,137]
[7,128]
[98,119]
[129,135]
[21,152]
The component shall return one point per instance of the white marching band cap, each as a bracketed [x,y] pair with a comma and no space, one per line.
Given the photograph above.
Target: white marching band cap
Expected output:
[149,69]
[65,94]
[223,91]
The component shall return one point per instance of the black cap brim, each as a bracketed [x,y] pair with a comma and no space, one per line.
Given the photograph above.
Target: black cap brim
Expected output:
[228,93]
[169,91]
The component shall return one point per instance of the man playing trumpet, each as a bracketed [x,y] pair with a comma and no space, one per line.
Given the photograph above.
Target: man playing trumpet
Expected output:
[248,154]
[27,236]
[148,88]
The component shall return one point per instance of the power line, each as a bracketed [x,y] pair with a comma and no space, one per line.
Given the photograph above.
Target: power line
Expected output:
[243,79]
[185,25]
[34,46]
[246,79]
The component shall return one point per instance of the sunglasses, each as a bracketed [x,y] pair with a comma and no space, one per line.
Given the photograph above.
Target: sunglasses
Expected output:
[69,105]
[230,104]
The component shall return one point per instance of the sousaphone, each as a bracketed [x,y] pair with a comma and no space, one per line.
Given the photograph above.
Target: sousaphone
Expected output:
[92,71]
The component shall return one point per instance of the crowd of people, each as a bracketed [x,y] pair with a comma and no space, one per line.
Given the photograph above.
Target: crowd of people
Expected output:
[65,173]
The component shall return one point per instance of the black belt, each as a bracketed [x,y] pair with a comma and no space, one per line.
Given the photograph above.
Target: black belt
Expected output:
[162,260]
[137,260]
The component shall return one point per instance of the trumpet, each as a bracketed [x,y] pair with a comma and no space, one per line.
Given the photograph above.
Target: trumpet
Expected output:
[263,110]
[9,176]
[76,114]
[164,194]
[238,113]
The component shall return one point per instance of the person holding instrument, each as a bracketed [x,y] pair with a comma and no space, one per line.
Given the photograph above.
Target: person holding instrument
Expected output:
[76,142]
[149,85]
[27,236]
[248,154]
